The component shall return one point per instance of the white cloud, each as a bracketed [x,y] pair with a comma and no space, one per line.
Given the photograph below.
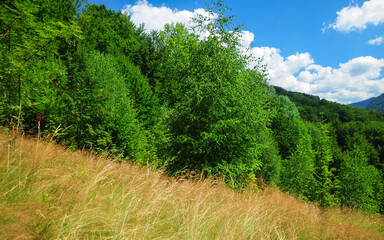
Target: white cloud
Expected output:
[358,79]
[155,18]
[283,71]
[366,66]
[376,41]
[246,38]
[354,18]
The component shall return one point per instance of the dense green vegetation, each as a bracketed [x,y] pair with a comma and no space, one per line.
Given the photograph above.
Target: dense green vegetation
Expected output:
[180,102]
[357,140]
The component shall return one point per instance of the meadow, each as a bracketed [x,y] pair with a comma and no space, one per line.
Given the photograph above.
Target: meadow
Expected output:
[48,192]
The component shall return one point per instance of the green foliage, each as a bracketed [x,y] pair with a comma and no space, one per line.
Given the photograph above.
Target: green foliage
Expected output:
[369,136]
[295,147]
[323,176]
[114,33]
[175,65]
[107,31]
[141,93]
[350,127]
[43,93]
[63,11]
[25,41]
[297,175]
[271,168]
[361,185]
[217,124]
[362,104]
[99,108]
[285,125]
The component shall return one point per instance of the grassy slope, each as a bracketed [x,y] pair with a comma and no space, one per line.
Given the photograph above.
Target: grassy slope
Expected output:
[49,193]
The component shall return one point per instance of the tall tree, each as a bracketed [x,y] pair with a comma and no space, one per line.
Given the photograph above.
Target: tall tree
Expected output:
[217,124]
[361,185]
[99,109]
[323,191]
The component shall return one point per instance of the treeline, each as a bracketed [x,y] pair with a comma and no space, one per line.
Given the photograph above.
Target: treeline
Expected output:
[179,101]
[314,109]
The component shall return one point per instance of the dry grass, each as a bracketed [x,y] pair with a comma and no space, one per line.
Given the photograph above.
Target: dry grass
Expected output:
[49,193]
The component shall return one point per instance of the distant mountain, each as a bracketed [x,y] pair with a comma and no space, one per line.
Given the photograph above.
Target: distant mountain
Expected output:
[362,104]
[375,103]
[314,109]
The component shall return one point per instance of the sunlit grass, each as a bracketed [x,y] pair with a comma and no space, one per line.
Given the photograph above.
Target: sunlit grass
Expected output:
[49,193]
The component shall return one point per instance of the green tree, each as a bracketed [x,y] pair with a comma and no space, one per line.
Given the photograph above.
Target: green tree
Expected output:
[175,65]
[98,107]
[43,92]
[144,99]
[219,121]
[113,33]
[297,175]
[361,185]
[323,189]
[271,160]
[285,126]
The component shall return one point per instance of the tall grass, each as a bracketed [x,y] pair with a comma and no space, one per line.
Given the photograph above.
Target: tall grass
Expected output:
[47,192]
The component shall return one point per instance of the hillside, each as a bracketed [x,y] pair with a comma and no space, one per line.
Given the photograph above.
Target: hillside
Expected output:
[47,192]
[177,101]
[312,108]
[362,104]
[375,103]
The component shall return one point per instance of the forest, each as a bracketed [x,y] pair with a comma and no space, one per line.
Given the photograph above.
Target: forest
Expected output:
[88,78]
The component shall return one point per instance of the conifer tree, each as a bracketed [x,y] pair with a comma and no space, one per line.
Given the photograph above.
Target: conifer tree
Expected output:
[361,185]
[323,176]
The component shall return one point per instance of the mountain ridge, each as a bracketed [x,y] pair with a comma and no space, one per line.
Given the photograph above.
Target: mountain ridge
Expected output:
[374,103]
[312,108]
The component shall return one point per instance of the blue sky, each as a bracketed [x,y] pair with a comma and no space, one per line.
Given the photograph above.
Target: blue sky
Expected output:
[330,48]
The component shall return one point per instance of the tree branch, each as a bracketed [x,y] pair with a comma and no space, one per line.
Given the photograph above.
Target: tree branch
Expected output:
[5,34]
[37,51]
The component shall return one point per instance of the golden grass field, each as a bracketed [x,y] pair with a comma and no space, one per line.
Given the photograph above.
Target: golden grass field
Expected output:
[47,192]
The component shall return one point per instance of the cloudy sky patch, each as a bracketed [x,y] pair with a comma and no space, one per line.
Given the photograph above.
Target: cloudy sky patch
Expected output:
[354,17]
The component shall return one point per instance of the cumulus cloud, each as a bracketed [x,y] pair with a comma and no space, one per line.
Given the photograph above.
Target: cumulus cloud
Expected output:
[283,71]
[355,80]
[154,18]
[246,38]
[354,18]
[376,41]
[358,79]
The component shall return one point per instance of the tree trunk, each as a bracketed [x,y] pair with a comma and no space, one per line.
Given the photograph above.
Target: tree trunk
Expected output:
[18,118]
